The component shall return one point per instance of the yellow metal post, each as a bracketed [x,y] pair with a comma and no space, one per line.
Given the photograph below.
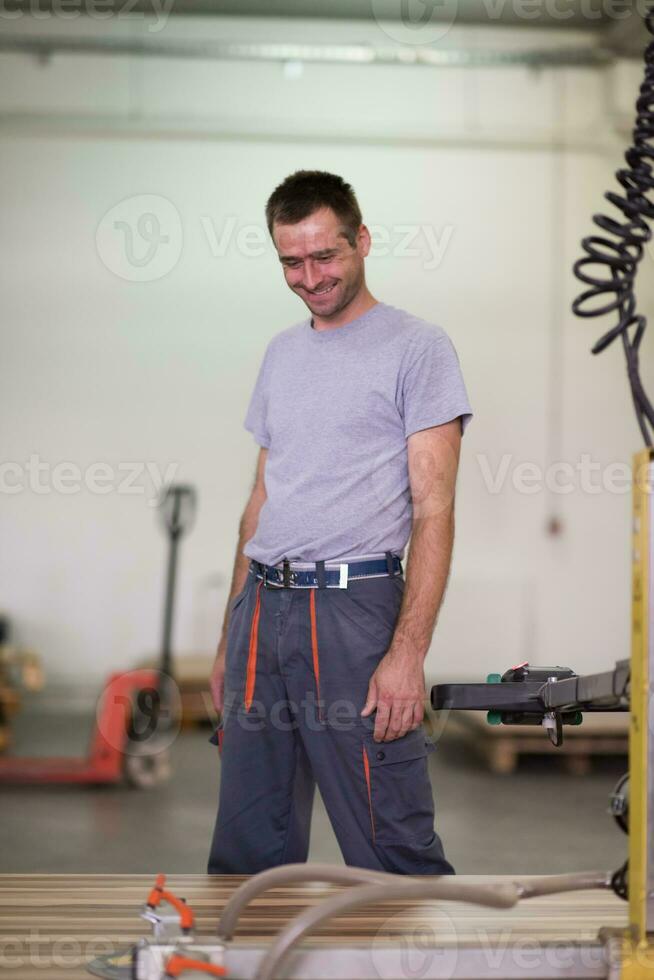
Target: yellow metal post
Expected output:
[641,732]
[640,869]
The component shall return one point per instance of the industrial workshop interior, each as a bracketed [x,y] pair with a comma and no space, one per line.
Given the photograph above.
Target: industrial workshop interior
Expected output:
[327,469]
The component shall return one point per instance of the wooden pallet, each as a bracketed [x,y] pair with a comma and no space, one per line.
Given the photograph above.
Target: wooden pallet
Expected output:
[9,704]
[19,670]
[191,672]
[501,746]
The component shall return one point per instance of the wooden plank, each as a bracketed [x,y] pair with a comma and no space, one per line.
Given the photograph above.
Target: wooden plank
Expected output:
[51,925]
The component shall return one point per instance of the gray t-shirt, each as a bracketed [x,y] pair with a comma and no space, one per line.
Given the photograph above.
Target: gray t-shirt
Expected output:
[335,408]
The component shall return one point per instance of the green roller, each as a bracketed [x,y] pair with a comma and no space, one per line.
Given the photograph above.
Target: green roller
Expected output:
[494,717]
[494,679]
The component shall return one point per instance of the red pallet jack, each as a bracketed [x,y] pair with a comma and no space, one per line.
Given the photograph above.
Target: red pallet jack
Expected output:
[137,708]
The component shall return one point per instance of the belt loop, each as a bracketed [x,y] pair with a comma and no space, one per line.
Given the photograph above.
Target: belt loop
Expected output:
[287,574]
[320,575]
[389,563]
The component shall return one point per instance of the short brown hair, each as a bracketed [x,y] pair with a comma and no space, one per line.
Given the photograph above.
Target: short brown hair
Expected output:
[306,191]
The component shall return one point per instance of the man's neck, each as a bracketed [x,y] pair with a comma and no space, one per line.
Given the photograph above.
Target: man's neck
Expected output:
[360,304]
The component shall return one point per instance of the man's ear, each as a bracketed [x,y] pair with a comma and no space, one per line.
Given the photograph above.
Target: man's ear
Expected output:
[364,241]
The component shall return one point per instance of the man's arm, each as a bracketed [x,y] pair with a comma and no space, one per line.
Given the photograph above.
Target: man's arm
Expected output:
[247,528]
[397,688]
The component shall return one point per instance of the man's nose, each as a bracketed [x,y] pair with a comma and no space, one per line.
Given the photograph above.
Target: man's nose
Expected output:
[312,275]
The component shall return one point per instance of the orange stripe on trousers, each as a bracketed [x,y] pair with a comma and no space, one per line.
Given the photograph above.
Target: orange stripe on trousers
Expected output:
[366,771]
[314,647]
[251,671]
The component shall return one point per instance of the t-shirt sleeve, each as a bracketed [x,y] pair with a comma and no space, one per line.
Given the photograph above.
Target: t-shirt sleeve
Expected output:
[433,389]
[256,416]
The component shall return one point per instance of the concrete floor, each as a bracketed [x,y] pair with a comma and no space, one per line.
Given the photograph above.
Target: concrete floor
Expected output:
[538,820]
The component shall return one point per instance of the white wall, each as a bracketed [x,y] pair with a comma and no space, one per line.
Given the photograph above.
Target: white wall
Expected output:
[96,368]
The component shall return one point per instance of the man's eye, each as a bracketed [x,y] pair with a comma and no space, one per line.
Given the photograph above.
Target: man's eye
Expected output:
[327,258]
[291,265]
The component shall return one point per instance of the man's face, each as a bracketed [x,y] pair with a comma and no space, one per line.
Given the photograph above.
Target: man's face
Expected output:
[319,263]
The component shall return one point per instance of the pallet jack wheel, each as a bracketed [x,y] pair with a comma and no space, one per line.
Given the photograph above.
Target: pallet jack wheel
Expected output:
[144,767]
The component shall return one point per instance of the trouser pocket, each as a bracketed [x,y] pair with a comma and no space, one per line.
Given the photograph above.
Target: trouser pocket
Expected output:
[243,642]
[398,788]
[238,598]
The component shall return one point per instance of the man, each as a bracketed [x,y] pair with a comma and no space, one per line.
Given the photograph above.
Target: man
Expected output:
[319,672]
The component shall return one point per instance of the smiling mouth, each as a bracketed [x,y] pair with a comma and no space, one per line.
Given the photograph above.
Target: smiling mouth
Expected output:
[322,292]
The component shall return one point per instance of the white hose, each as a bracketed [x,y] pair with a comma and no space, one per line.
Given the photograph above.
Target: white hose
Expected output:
[555,884]
[290,874]
[442,887]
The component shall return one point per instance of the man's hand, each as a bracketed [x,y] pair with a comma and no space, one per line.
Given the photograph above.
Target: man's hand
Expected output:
[397,692]
[217,678]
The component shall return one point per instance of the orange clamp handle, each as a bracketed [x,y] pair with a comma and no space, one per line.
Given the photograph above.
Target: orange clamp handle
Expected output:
[155,895]
[178,964]
[159,894]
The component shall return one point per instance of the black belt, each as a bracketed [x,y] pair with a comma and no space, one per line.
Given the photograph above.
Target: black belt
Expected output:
[321,577]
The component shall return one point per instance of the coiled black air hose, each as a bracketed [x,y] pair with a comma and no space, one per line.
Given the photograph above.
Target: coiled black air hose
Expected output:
[621,253]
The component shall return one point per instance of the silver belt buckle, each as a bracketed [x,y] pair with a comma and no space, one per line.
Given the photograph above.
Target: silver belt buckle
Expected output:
[342,582]
[292,577]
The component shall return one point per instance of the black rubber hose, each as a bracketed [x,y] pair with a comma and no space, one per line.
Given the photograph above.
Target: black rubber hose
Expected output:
[619,250]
